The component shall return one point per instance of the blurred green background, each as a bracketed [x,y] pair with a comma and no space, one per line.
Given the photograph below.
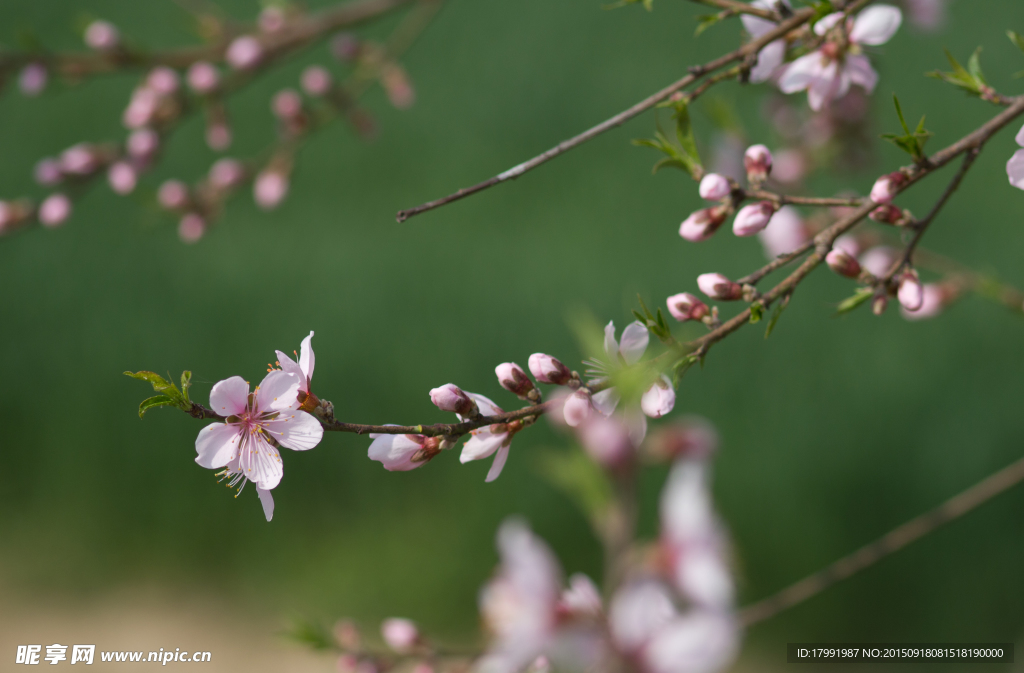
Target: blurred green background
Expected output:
[834,430]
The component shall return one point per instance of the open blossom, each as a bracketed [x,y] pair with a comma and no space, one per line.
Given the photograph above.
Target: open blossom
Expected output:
[827,73]
[714,187]
[246,444]
[771,57]
[785,232]
[717,286]
[753,218]
[1015,166]
[606,440]
[303,369]
[685,306]
[489,440]
[401,453]
[701,224]
[547,369]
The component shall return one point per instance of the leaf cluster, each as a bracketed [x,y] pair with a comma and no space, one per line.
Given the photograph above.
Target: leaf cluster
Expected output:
[169,394]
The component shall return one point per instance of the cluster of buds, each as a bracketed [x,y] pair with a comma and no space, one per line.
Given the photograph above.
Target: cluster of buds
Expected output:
[402,638]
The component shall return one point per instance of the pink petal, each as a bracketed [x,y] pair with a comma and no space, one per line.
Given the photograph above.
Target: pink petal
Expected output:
[278,392]
[706,640]
[306,359]
[1020,137]
[634,342]
[659,399]
[768,61]
[499,463]
[801,73]
[605,401]
[827,23]
[860,72]
[395,452]
[216,445]
[1015,169]
[486,406]
[230,396]
[295,430]
[611,346]
[289,366]
[482,444]
[876,25]
[260,463]
[267,500]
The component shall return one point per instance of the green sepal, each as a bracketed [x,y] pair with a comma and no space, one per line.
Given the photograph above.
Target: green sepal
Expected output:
[850,303]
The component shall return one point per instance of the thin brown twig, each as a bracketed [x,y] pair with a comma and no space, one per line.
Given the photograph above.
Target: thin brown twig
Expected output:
[737,7]
[784,199]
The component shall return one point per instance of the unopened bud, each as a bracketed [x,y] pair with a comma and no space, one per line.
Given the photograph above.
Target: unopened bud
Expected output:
[163,80]
[513,379]
[450,397]
[911,292]
[398,87]
[227,173]
[717,286]
[886,214]
[547,369]
[173,195]
[878,260]
[218,135]
[700,225]
[54,210]
[758,162]
[143,144]
[887,186]
[80,159]
[659,399]
[842,263]
[48,173]
[692,437]
[203,77]
[934,300]
[753,218]
[191,228]
[32,79]
[849,243]
[142,108]
[400,634]
[272,19]
[316,80]
[122,177]
[577,407]
[345,47]
[287,104]
[685,306]
[879,303]
[102,36]
[244,53]
[270,188]
[714,187]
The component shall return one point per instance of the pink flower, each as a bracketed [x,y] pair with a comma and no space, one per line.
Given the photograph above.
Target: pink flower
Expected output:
[714,187]
[102,36]
[54,210]
[400,634]
[286,104]
[700,225]
[32,79]
[450,397]
[606,440]
[142,144]
[163,80]
[827,73]
[270,188]
[218,139]
[577,406]
[757,160]
[933,300]
[928,15]
[244,53]
[142,108]
[771,57]
[547,369]
[887,186]
[191,227]
[785,233]
[122,177]
[581,598]
[717,286]
[1015,166]
[303,369]
[316,80]
[753,218]
[48,173]
[401,453]
[203,77]
[513,379]
[227,173]
[685,306]
[842,263]
[80,159]
[911,292]
[173,195]
[489,440]
[790,166]
[246,444]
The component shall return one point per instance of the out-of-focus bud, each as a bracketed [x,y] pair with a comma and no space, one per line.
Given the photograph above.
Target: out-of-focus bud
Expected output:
[849,243]
[32,79]
[605,439]
[203,77]
[287,104]
[933,301]
[218,135]
[911,292]
[842,263]
[717,286]
[399,89]
[878,260]
[345,47]
[47,172]
[789,166]
[142,108]
[887,186]
[347,663]
[886,214]
[191,227]
[163,80]
[547,369]
[80,159]
[753,218]
[577,407]
[400,634]
[714,187]
[785,233]
[659,399]
[758,162]
[879,303]
[692,437]
[450,397]
[316,80]
[227,173]
[122,177]
[54,210]
[102,36]
[244,53]
[270,188]
[700,225]
[272,19]
[347,635]
[173,195]
[143,144]
[685,306]
[513,379]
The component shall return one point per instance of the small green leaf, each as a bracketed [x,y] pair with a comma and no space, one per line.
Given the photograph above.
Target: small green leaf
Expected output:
[159,383]
[911,143]
[684,132]
[156,401]
[639,316]
[1016,38]
[779,308]
[756,312]
[970,81]
[681,367]
[312,634]
[646,311]
[850,303]
[706,21]
[974,67]
[186,383]
[899,113]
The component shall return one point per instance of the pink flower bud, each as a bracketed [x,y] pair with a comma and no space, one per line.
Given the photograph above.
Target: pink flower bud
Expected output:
[547,369]
[717,286]
[933,301]
[714,187]
[316,80]
[700,225]
[102,36]
[55,210]
[79,159]
[33,78]
[577,407]
[886,187]
[400,634]
[203,77]
[513,379]
[270,188]
[345,47]
[191,228]
[244,53]
[685,306]
[218,135]
[878,260]
[122,177]
[143,144]
[227,173]
[606,440]
[398,87]
[173,195]
[142,108]
[286,104]
[785,233]
[450,397]
[7,217]
[272,19]
[163,80]
[758,162]
[849,243]
[842,263]
[692,437]
[753,218]
[886,214]
[659,399]
[47,172]
[911,292]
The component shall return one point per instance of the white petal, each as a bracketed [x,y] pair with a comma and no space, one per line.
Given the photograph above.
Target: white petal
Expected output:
[801,73]
[825,88]
[394,452]
[1015,169]
[486,406]
[611,346]
[605,401]
[295,430]
[768,61]
[216,445]
[229,397]
[260,463]
[482,444]
[1020,137]
[876,25]
[289,366]
[659,399]
[636,422]
[702,575]
[278,392]
[858,69]
[267,500]
[755,25]
[499,463]
[699,642]
[827,22]
[634,342]
[306,358]
[637,611]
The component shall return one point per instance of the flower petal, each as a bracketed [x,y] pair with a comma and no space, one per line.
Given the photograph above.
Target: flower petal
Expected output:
[636,423]
[485,405]
[1020,137]
[634,342]
[768,61]
[828,87]
[295,430]
[801,73]
[659,399]
[481,445]
[876,25]
[306,359]
[827,23]
[611,346]
[277,392]
[229,397]
[216,445]
[394,452]
[1015,169]
[260,463]
[499,463]
[267,500]
[859,70]
[289,366]
[605,401]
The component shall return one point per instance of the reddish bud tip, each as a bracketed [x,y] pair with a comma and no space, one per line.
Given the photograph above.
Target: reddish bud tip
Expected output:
[547,369]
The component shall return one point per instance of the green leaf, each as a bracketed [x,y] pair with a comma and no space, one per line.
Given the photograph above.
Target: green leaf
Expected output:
[684,133]
[159,383]
[156,401]
[899,113]
[681,367]
[312,634]
[911,143]
[779,308]
[186,383]
[706,21]
[1016,38]
[971,80]
[579,478]
[639,316]
[974,67]
[850,303]
[756,312]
